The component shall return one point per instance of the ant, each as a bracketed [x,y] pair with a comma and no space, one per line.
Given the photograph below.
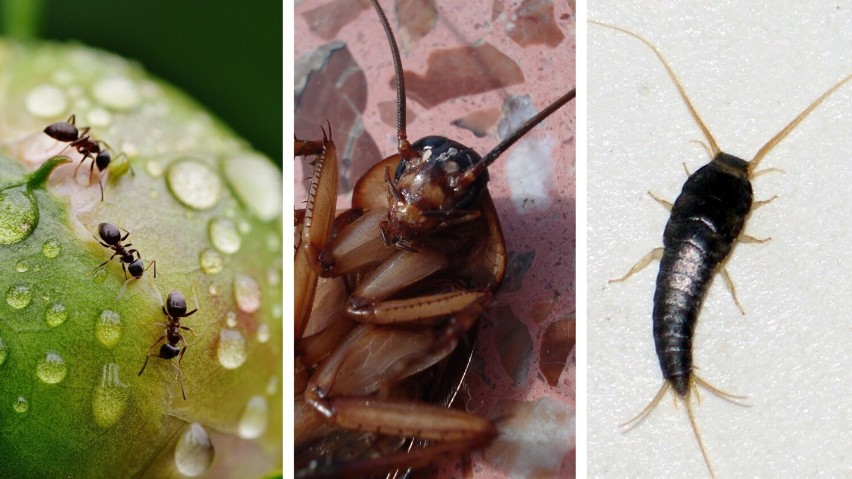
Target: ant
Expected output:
[174,309]
[78,139]
[112,239]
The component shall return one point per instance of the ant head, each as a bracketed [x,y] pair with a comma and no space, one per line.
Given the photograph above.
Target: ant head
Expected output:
[176,304]
[434,187]
[103,159]
[109,233]
[136,268]
[64,131]
[167,351]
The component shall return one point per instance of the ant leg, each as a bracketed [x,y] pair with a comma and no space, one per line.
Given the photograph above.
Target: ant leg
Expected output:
[179,377]
[123,287]
[101,184]
[154,264]
[125,236]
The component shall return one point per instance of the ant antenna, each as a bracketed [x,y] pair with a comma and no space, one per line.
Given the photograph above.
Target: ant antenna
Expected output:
[403,145]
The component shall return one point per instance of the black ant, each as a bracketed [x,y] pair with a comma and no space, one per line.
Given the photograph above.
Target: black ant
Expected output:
[174,309]
[112,239]
[95,150]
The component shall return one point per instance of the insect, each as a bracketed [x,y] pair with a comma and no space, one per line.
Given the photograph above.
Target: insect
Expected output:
[78,139]
[705,221]
[381,193]
[175,310]
[130,259]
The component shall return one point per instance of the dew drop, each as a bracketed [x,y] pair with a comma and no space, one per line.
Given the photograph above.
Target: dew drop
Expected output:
[232,348]
[231,319]
[224,235]
[51,369]
[108,328]
[246,293]
[18,214]
[99,117]
[154,168]
[3,352]
[194,451]
[273,242]
[51,248]
[110,399]
[56,315]
[263,332]
[213,290]
[116,92]
[194,184]
[46,101]
[257,182]
[21,405]
[211,262]
[254,418]
[272,385]
[244,227]
[273,276]
[276,311]
[22,266]
[19,296]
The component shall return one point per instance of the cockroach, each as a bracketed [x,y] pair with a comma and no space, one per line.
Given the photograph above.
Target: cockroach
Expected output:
[351,452]
[706,220]
[174,309]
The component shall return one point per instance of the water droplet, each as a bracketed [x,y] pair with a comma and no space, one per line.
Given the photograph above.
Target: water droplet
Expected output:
[276,311]
[110,398]
[254,418]
[244,227]
[263,332]
[273,276]
[232,348]
[56,315]
[272,385]
[246,293]
[22,266]
[51,248]
[211,261]
[3,352]
[116,92]
[194,451]
[18,214]
[19,296]
[213,290]
[257,182]
[224,235]
[98,117]
[273,242]
[51,369]
[46,101]
[231,319]
[21,405]
[154,168]
[108,328]
[194,184]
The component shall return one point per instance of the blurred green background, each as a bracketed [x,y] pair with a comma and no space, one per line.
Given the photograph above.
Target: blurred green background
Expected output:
[225,54]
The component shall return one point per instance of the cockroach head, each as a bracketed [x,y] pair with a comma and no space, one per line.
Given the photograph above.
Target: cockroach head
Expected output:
[435,187]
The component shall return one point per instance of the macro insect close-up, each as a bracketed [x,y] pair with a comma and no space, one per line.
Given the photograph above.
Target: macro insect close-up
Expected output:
[521,375]
[89,351]
[748,73]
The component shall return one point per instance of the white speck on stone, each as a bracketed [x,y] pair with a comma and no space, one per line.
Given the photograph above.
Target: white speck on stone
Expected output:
[534,439]
[46,101]
[528,171]
[99,117]
[116,92]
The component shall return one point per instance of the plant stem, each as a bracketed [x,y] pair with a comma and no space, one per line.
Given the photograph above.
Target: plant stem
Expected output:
[21,18]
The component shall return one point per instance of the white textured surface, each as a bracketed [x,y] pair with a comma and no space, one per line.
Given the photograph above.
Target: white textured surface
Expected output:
[749,68]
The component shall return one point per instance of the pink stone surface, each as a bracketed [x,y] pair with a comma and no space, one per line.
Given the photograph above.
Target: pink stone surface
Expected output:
[533,186]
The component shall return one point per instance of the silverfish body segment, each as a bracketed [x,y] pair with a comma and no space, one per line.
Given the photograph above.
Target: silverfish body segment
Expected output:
[705,221]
